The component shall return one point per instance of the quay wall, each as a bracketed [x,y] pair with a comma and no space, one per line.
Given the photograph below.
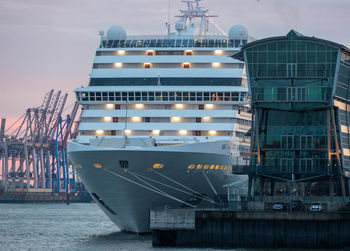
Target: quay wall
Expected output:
[242,229]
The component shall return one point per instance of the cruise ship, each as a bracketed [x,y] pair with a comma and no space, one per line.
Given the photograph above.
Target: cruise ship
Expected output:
[164,119]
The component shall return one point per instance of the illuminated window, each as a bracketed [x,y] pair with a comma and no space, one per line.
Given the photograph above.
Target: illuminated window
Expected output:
[209,106]
[158,165]
[191,166]
[188,52]
[136,119]
[109,106]
[199,166]
[216,64]
[139,106]
[147,65]
[186,65]
[179,106]
[97,165]
[212,132]
[118,65]
[183,132]
[175,119]
[127,131]
[121,52]
[218,52]
[156,132]
[108,119]
[99,132]
[206,119]
[197,133]
[150,52]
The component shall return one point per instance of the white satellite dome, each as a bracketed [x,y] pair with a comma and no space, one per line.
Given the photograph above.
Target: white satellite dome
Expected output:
[238,32]
[180,26]
[116,32]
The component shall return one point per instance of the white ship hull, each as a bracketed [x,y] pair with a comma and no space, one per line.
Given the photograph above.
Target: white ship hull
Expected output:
[127,182]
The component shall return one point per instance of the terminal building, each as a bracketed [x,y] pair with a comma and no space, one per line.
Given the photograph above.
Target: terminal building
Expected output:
[300,100]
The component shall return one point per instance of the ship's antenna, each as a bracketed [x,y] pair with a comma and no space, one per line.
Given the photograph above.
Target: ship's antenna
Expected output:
[168,22]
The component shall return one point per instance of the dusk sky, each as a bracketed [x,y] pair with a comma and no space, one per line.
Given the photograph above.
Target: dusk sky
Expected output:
[50,44]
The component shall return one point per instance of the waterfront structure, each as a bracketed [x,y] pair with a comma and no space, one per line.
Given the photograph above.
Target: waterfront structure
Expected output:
[33,150]
[164,119]
[299,89]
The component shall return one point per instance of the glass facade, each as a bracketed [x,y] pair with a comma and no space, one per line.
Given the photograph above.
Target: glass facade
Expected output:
[300,92]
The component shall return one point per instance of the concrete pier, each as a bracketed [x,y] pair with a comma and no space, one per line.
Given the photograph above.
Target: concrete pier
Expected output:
[243,229]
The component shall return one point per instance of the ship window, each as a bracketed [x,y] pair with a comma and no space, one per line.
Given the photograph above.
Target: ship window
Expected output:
[166,43]
[199,96]
[98,96]
[186,65]
[147,65]
[115,120]
[151,96]
[92,96]
[117,96]
[144,96]
[197,133]
[227,96]
[117,107]
[192,96]
[84,96]
[198,120]
[137,96]
[158,96]
[131,96]
[124,96]
[133,43]
[206,96]
[213,96]
[201,107]
[171,96]
[190,43]
[178,42]
[104,96]
[153,43]
[165,96]
[220,96]
[143,43]
[185,96]
[172,43]
[113,132]
[147,119]
[184,43]
[127,43]
[159,43]
[234,96]
[178,96]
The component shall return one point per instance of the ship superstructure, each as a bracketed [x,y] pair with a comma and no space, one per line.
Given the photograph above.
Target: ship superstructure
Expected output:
[172,102]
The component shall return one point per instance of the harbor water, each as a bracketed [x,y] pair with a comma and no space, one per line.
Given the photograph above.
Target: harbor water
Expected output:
[78,226]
